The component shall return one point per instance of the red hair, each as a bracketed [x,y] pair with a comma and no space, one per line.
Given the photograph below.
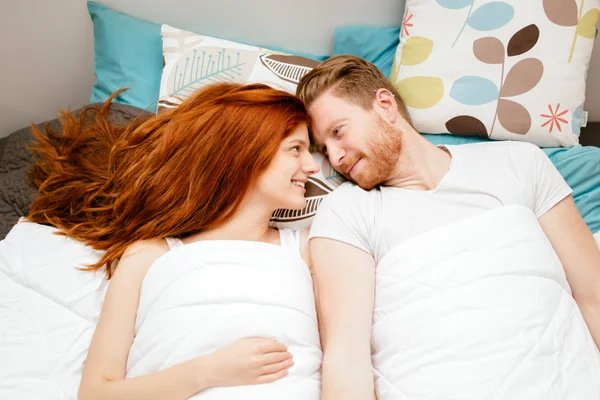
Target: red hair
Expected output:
[169,175]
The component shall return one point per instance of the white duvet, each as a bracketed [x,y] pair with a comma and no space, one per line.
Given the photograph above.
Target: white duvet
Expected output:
[496,328]
[192,302]
[221,291]
[480,309]
[48,311]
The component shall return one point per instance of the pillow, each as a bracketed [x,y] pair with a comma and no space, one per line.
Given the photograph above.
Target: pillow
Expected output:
[376,44]
[128,53]
[507,70]
[193,61]
[580,166]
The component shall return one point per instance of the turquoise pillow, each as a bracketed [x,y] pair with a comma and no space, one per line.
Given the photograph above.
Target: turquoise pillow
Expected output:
[376,44]
[579,165]
[128,53]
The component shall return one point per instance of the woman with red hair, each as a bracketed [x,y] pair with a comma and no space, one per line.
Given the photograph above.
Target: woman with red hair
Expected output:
[211,171]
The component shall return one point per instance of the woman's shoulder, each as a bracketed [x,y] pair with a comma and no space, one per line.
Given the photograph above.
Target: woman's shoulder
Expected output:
[147,248]
[135,262]
[141,254]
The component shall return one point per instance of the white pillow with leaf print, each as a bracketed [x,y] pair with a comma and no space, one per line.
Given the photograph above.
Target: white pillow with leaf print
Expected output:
[507,70]
[192,61]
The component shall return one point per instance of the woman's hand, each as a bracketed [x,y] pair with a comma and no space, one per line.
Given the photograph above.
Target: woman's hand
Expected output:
[249,361]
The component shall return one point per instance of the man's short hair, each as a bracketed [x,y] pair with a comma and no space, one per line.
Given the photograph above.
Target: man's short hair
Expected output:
[350,78]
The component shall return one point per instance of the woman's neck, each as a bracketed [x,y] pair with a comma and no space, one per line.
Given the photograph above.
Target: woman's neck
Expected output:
[250,222]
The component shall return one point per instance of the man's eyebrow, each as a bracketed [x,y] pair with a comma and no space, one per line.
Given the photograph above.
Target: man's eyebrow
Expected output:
[333,123]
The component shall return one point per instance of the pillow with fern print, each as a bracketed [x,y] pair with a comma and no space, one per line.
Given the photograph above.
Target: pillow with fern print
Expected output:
[501,69]
[192,61]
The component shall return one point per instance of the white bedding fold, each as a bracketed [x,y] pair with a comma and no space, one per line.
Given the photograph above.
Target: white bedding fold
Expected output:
[480,309]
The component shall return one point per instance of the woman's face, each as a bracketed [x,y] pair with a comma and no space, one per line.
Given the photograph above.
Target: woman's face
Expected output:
[282,184]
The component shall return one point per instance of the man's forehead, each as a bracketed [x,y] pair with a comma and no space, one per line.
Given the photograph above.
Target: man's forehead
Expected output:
[325,110]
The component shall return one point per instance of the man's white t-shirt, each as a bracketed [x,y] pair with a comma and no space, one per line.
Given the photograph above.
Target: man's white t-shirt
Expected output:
[482,176]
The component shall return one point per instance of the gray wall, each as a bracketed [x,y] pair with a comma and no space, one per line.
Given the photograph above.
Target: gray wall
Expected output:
[46,46]
[46,59]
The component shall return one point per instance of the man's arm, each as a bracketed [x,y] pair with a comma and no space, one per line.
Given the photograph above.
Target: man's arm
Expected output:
[345,280]
[580,256]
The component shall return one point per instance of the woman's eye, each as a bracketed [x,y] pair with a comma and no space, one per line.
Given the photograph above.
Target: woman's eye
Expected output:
[296,148]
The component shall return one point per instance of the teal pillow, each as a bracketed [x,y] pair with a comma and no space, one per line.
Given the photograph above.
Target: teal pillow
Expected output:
[580,166]
[376,44]
[128,53]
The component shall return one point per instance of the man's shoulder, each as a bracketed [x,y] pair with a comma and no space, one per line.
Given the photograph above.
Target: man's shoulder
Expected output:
[349,196]
[349,190]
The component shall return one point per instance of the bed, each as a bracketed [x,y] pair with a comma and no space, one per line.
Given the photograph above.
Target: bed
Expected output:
[48,307]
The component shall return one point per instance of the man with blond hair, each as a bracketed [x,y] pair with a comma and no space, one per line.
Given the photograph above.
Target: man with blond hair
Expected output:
[444,271]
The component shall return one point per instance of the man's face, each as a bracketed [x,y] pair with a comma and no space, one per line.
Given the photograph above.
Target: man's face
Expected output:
[359,143]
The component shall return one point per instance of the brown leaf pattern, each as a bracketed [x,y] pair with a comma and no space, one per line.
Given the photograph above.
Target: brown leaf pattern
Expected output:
[523,77]
[466,125]
[523,41]
[489,50]
[513,117]
[561,12]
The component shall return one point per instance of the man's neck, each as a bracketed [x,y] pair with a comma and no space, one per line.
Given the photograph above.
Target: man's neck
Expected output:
[421,165]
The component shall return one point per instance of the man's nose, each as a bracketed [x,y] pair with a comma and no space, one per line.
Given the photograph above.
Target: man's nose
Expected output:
[336,155]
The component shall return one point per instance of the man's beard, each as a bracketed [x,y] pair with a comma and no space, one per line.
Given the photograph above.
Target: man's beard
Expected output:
[383,149]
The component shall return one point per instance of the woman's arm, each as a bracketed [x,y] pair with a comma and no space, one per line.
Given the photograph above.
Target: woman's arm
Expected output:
[104,370]
[246,361]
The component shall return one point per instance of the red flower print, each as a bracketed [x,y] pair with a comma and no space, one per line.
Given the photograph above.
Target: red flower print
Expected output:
[406,24]
[554,118]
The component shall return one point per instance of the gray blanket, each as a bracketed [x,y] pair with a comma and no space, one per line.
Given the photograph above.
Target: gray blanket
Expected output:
[16,193]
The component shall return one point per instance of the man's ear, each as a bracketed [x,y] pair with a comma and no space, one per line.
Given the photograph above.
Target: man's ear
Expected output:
[385,102]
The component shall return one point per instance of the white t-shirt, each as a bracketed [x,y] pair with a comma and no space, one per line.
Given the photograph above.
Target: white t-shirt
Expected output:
[482,176]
